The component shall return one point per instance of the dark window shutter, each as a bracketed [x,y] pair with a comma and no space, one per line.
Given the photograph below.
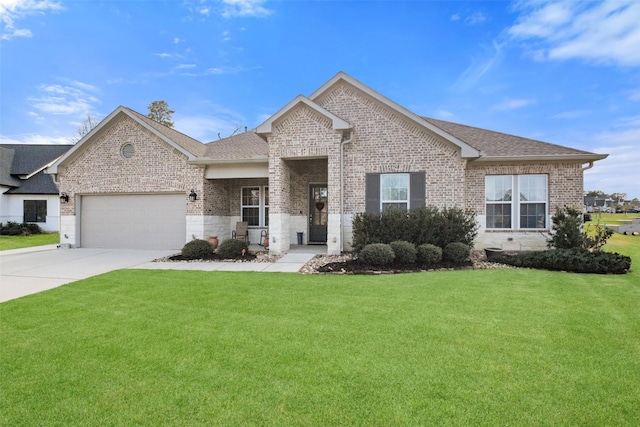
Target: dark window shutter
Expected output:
[416,190]
[372,193]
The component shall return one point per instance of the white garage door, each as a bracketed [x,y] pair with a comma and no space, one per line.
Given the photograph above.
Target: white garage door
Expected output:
[154,221]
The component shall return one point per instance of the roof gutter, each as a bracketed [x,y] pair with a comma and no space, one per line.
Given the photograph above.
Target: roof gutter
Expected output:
[562,157]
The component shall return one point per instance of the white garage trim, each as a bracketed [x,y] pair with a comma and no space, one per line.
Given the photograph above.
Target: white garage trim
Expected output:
[133,221]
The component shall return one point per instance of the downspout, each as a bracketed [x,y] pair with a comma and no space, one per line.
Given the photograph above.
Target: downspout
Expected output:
[342,144]
[588,167]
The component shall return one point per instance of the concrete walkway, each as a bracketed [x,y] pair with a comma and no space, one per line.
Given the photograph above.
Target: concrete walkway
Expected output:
[36,269]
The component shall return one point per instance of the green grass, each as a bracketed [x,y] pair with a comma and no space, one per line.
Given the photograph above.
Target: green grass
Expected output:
[490,347]
[18,242]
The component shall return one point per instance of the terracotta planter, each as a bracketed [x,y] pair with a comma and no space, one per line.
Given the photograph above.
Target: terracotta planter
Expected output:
[265,242]
[213,241]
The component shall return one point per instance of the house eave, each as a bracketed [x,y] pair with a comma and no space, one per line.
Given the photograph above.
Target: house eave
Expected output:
[204,161]
[558,157]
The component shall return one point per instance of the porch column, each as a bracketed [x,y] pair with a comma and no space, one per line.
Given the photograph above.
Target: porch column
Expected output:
[333,218]
[279,201]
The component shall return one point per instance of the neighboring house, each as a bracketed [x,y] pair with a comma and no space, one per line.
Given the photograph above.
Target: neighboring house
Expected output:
[598,203]
[309,168]
[27,194]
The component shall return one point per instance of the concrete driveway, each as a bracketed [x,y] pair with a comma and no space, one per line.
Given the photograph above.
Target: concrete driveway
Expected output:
[28,271]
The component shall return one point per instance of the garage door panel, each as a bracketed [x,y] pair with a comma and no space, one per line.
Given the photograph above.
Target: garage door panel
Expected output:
[150,221]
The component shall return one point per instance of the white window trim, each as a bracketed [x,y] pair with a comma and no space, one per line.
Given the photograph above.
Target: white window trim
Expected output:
[383,200]
[515,202]
[262,206]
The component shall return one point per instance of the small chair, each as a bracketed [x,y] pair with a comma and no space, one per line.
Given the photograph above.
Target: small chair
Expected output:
[241,232]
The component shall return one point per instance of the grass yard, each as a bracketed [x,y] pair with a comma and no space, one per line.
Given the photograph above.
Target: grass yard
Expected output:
[487,347]
[18,242]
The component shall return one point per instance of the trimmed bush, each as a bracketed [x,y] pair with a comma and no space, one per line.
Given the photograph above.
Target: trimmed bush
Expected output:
[16,229]
[574,260]
[429,254]
[568,233]
[456,252]
[417,226]
[405,252]
[232,248]
[196,249]
[379,254]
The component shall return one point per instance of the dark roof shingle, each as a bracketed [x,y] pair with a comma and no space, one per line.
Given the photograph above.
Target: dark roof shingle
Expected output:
[497,144]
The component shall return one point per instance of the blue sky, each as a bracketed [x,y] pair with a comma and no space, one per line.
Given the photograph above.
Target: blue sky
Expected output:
[562,72]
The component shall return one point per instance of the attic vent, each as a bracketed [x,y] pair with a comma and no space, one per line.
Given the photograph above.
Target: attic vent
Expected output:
[128,150]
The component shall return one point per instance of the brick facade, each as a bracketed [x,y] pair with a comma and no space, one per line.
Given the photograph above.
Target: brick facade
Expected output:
[304,149]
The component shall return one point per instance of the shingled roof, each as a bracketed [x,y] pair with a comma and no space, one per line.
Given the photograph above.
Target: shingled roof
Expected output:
[243,146]
[21,167]
[190,144]
[501,145]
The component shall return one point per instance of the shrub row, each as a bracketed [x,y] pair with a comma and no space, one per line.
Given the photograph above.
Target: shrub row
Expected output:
[574,260]
[418,226]
[17,229]
[198,249]
[405,253]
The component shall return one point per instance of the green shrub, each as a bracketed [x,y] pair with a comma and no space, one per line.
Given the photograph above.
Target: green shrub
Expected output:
[379,254]
[575,260]
[16,229]
[405,252]
[232,248]
[568,232]
[456,252]
[417,226]
[196,249]
[428,254]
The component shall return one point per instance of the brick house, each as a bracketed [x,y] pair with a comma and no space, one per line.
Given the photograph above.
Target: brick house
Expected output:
[308,169]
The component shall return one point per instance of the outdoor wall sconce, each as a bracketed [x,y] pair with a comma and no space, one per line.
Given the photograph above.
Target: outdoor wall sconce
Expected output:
[193,196]
[64,198]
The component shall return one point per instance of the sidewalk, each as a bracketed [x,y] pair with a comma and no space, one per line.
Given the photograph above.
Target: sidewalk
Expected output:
[288,263]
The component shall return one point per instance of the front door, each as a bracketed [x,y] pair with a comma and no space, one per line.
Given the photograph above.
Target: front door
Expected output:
[318,210]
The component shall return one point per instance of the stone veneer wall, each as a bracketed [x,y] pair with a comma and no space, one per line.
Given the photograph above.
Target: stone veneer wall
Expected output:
[155,167]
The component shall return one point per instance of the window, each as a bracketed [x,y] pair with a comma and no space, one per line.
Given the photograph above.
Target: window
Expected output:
[254,206]
[35,211]
[528,211]
[394,191]
[403,190]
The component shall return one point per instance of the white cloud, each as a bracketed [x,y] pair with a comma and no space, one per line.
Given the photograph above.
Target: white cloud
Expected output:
[479,67]
[244,8]
[185,66]
[34,139]
[73,98]
[455,17]
[206,128]
[570,114]
[475,18]
[601,32]
[12,11]
[617,173]
[513,104]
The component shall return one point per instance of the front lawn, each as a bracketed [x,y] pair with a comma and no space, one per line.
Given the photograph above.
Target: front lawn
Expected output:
[487,347]
[18,242]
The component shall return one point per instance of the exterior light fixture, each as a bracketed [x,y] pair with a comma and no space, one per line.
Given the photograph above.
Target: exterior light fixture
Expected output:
[193,196]
[64,198]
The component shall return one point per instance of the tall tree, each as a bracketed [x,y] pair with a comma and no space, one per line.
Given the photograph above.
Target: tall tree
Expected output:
[160,112]
[86,126]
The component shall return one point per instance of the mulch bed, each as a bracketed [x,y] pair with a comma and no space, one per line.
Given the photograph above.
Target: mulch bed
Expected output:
[355,266]
[215,257]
